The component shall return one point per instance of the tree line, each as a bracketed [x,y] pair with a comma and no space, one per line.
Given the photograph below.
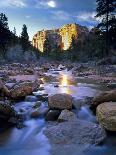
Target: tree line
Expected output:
[9,38]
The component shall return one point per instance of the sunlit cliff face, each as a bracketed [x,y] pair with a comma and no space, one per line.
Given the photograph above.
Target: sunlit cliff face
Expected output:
[66,33]
[65,42]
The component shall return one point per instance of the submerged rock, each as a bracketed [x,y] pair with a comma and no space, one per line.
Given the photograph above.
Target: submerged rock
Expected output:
[31,98]
[79,132]
[106,115]
[67,115]
[60,101]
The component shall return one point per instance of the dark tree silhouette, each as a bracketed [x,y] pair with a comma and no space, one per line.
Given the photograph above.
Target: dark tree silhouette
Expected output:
[24,38]
[105,10]
[4,33]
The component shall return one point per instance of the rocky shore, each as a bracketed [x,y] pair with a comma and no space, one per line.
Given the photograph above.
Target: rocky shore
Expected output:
[20,82]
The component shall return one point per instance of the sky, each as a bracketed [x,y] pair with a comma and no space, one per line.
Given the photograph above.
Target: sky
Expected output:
[48,14]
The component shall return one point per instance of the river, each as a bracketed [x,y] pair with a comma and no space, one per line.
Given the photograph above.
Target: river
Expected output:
[30,140]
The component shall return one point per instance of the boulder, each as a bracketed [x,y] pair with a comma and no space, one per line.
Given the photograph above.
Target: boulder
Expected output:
[23,89]
[106,115]
[52,115]
[60,101]
[76,133]
[67,115]
[104,97]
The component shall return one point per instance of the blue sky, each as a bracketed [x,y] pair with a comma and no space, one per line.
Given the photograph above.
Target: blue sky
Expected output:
[48,14]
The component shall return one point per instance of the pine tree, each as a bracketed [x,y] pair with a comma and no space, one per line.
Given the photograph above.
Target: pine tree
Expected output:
[24,38]
[105,10]
[5,33]
[14,31]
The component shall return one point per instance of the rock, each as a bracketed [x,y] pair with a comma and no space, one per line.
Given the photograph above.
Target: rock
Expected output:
[106,115]
[6,111]
[22,110]
[3,89]
[60,101]
[41,88]
[35,113]
[10,85]
[41,111]
[37,104]
[56,86]
[52,115]
[42,97]
[23,89]
[9,116]
[76,133]
[111,85]
[104,97]
[67,115]
[31,98]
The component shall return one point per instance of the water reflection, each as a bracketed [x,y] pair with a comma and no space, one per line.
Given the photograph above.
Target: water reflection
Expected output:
[64,80]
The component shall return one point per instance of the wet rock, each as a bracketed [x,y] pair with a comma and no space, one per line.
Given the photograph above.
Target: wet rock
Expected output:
[80,132]
[37,104]
[67,115]
[52,115]
[60,101]
[41,111]
[106,115]
[111,85]
[6,111]
[104,97]
[22,110]
[41,88]
[42,97]
[35,113]
[23,89]
[56,86]
[31,98]
[9,116]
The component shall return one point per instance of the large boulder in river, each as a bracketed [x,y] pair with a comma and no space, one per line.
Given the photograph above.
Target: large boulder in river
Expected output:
[104,97]
[60,101]
[23,89]
[106,115]
[77,132]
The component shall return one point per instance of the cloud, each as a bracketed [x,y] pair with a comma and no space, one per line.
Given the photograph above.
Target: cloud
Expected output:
[86,16]
[27,16]
[46,4]
[13,3]
[60,15]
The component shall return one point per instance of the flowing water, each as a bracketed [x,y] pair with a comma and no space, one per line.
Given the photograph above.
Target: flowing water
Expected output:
[31,141]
